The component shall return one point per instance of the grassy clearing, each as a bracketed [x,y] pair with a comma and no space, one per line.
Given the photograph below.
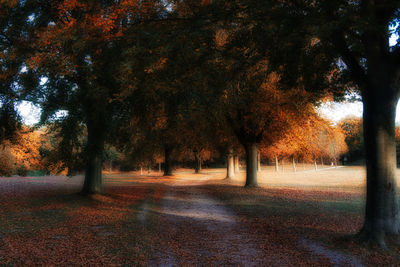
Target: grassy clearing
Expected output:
[49,225]
[44,222]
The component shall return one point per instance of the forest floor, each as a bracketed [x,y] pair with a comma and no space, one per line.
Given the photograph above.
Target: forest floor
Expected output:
[305,218]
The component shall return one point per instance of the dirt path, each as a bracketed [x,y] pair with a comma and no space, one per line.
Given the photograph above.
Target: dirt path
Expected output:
[201,230]
[196,229]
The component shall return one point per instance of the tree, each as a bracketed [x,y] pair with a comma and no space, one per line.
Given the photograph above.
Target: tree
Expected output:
[76,51]
[24,154]
[308,140]
[347,43]
[352,128]
[15,30]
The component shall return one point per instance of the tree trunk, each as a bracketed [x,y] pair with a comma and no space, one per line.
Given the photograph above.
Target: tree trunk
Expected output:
[167,161]
[283,165]
[141,170]
[251,164]
[197,163]
[94,153]
[322,161]
[149,169]
[258,161]
[294,164]
[110,166]
[315,165]
[276,164]
[230,166]
[237,167]
[159,167]
[382,216]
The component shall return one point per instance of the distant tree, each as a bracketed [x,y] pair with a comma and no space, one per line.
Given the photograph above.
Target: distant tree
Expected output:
[63,151]
[24,154]
[353,130]
[309,140]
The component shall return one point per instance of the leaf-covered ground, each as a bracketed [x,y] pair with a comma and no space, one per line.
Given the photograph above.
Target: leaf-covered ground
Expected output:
[186,220]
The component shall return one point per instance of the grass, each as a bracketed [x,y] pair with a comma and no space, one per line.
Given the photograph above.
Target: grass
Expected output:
[44,222]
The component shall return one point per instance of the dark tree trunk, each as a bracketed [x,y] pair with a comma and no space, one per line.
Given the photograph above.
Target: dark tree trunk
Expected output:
[159,167]
[167,161]
[230,166]
[382,217]
[237,168]
[251,164]
[197,163]
[94,153]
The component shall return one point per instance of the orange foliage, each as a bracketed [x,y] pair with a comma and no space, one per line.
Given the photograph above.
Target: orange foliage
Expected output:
[25,153]
[87,23]
[308,140]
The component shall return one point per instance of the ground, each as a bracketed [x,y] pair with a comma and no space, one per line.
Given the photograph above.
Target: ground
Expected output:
[305,218]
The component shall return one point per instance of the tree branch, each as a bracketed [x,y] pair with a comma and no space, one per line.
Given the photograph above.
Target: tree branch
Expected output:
[348,56]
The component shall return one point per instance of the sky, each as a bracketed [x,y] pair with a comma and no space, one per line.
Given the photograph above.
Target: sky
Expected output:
[330,110]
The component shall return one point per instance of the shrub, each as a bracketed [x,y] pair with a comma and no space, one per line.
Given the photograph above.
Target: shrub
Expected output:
[21,170]
[6,163]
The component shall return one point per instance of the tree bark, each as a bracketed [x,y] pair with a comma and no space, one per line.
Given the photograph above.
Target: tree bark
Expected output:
[230,166]
[276,164]
[382,216]
[94,153]
[197,163]
[167,161]
[251,164]
[315,165]
[258,161]
[294,165]
[159,167]
[237,167]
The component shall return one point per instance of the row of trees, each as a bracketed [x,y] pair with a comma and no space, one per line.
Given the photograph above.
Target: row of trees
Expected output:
[247,69]
[44,151]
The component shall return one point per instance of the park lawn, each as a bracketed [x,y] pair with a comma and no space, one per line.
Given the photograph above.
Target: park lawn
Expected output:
[55,226]
[324,208]
[44,222]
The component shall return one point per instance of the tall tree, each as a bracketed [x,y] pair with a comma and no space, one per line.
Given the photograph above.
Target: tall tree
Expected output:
[353,38]
[76,51]
[16,27]
[250,98]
